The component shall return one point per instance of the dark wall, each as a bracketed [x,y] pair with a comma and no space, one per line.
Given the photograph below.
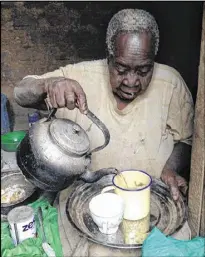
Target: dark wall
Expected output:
[41,36]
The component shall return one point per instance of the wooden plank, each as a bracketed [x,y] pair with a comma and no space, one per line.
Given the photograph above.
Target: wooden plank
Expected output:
[196,185]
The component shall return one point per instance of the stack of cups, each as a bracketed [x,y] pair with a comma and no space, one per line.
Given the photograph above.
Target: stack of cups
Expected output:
[134,187]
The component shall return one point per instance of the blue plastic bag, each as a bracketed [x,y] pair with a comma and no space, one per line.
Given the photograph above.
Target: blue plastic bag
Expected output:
[5,124]
[159,245]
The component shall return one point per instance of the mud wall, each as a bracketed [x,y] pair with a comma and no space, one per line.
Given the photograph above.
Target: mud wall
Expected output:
[37,37]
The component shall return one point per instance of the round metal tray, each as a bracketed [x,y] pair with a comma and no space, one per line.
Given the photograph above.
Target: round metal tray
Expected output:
[166,214]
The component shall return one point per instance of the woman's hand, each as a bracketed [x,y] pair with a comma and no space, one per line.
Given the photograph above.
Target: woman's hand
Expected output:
[64,92]
[174,182]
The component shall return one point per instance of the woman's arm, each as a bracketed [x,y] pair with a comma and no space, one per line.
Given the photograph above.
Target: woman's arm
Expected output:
[180,126]
[30,93]
[61,92]
[178,161]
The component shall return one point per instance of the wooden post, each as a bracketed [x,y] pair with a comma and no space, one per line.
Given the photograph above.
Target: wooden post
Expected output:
[197,177]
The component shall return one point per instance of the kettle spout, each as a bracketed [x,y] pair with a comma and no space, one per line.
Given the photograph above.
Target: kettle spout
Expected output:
[90,176]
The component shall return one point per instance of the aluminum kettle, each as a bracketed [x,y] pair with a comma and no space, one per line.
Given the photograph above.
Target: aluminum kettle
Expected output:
[55,152]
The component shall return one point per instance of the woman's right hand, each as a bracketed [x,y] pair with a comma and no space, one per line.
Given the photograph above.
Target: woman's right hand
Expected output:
[64,92]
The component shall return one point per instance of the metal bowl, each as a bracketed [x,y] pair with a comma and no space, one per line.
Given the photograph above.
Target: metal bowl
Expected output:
[16,178]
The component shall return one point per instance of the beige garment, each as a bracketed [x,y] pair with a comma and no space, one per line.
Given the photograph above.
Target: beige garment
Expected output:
[144,132]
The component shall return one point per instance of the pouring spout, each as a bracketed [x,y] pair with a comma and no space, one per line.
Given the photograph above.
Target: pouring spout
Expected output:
[90,176]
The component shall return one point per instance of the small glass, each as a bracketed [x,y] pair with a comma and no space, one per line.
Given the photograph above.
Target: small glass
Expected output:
[136,231]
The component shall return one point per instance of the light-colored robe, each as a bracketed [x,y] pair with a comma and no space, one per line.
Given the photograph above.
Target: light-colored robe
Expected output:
[143,134]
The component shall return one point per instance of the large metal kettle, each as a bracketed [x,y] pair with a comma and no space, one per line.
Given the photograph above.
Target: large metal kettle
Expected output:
[55,152]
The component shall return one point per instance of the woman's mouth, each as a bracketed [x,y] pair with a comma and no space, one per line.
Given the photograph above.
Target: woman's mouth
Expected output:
[128,94]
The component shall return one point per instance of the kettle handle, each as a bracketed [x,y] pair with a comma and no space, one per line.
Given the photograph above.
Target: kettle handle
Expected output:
[51,114]
[97,122]
[102,127]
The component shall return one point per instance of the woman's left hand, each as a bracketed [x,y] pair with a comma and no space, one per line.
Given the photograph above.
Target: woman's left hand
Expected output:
[175,183]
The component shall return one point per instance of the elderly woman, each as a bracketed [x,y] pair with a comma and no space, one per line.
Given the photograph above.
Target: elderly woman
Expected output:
[146,106]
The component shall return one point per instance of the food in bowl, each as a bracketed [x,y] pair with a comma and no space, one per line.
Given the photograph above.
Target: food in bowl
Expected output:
[12,194]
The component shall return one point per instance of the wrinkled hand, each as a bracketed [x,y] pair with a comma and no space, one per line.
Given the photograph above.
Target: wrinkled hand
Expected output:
[63,92]
[174,182]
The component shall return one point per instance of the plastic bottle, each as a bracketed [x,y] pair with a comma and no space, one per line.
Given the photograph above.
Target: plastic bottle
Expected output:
[32,118]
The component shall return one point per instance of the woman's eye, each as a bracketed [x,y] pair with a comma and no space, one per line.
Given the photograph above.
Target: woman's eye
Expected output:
[121,72]
[142,73]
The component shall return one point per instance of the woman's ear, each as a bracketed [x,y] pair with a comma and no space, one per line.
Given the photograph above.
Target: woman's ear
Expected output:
[109,58]
[107,55]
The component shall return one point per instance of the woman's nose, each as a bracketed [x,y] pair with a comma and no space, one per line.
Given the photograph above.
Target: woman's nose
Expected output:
[131,80]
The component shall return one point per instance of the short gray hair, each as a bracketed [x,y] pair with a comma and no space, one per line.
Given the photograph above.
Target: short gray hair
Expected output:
[134,21]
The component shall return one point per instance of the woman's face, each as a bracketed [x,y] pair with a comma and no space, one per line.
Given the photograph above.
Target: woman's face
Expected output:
[131,68]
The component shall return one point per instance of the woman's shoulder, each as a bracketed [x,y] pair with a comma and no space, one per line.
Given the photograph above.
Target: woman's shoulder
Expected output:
[91,66]
[167,74]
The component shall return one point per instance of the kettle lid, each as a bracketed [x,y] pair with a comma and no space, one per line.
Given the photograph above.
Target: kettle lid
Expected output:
[69,136]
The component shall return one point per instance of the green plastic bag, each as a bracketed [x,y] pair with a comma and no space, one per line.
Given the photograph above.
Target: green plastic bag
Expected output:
[33,246]
[157,244]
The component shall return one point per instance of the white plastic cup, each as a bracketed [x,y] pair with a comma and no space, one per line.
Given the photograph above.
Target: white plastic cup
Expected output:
[22,224]
[107,212]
